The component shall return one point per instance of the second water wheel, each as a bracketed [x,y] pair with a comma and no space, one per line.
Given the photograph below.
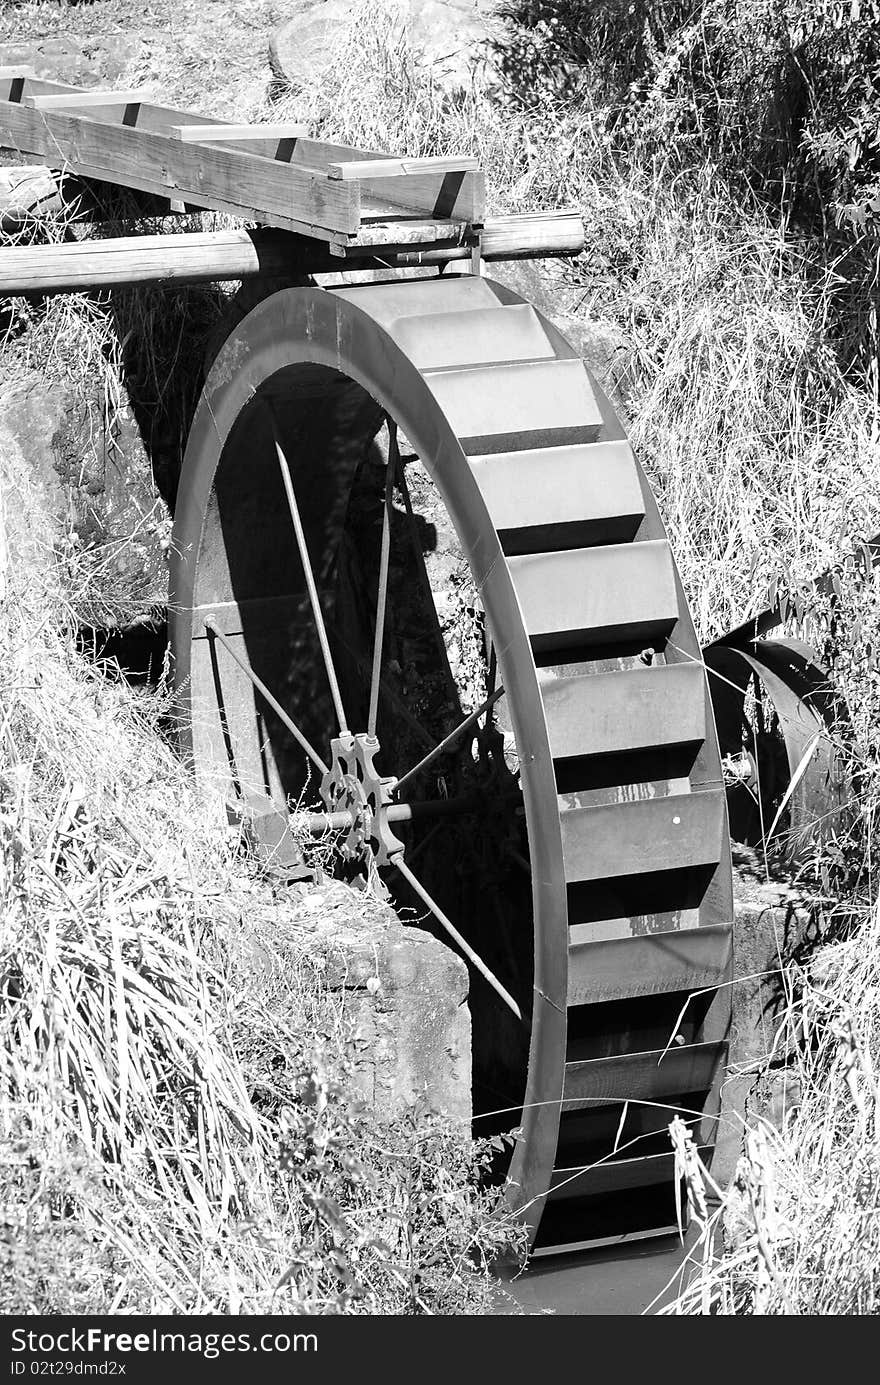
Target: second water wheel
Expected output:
[422,600]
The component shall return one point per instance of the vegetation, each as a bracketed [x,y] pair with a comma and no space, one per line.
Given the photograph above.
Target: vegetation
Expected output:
[725,156]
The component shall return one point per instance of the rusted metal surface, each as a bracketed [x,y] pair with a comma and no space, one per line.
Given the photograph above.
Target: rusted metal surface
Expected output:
[660,1074]
[647,965]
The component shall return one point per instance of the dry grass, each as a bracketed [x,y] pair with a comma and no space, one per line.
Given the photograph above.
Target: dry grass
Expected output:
[797,1231]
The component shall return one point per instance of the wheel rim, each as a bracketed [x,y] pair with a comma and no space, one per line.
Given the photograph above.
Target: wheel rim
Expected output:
[359,343]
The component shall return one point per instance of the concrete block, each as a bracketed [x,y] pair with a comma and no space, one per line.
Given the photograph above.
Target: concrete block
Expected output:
[403,993]
[773,926]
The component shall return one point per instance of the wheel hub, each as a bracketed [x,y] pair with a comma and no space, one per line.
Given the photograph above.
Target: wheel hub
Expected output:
[354,786]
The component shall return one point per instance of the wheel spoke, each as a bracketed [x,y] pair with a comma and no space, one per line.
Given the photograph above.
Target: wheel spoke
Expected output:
[214,632]
[310,584]
[448,740]
[224,720]
[382,595]
[453,932]
[384,691]
[490,684]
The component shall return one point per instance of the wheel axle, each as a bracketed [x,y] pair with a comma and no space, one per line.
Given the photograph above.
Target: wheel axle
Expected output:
[318,823]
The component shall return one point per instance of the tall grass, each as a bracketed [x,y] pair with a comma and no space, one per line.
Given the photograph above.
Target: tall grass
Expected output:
[797,1231]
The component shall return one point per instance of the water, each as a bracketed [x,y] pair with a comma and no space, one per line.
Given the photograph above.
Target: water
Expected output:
[617,1281]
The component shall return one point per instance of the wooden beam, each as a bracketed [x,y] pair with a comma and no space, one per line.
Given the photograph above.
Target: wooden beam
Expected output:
[199,257]
[221,134]
[62,100]
[150,116]
[361,170]
[16,82]
[534,235]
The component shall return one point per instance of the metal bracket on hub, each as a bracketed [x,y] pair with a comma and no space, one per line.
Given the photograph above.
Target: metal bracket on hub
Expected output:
[354,785]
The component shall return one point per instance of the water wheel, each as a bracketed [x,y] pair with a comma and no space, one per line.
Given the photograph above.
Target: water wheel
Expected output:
[423,600]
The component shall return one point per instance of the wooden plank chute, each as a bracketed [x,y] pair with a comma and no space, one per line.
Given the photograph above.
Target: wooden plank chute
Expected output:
[269,173]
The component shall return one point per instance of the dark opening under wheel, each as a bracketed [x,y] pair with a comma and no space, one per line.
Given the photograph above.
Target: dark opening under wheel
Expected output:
[575,832]
[781,728]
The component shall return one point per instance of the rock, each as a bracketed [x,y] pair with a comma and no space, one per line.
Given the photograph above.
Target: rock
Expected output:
[27,573]
[93,480]
[407,994]
[421,996]
[451,38]
[601,345]
[79,60]
[28,193]
[776,1097]
[302,47]
[769,929]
